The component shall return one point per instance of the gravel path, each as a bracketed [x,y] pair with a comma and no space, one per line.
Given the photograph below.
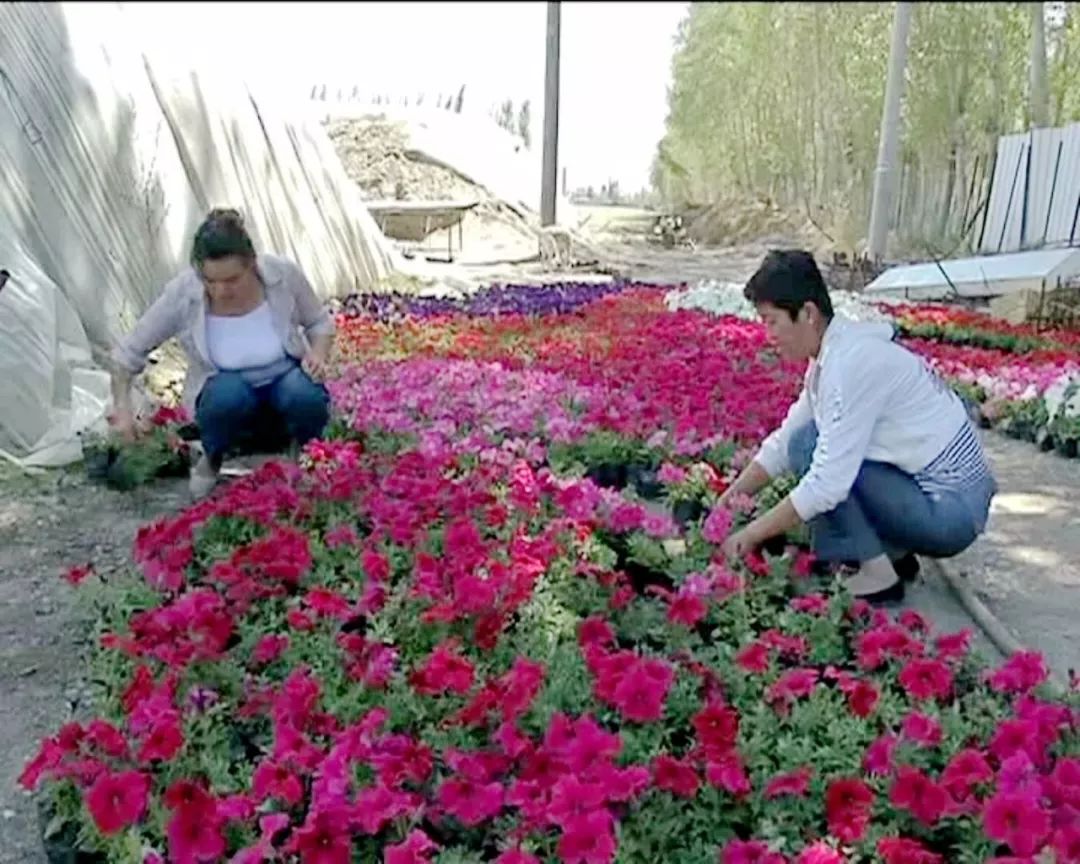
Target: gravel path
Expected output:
[1026,567]
[46,525]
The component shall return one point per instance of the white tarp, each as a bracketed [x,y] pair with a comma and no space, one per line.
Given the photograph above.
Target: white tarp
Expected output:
[112,148]
[48,388]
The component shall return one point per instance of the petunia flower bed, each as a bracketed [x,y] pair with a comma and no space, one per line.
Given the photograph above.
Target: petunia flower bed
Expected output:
[1024,382]
[436,639]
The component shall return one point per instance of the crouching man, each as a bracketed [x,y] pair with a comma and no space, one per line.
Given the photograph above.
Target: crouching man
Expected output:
[890,464]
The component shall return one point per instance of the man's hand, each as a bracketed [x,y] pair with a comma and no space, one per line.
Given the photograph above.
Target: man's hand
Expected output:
[725,498]
[739,544]
[315,364]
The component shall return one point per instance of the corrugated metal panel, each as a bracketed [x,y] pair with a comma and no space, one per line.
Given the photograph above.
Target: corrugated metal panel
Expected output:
[984,276]
[1002,229]
[1047,152]
[1067,190]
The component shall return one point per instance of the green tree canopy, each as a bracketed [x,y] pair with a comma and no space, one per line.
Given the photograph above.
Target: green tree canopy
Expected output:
[783,100]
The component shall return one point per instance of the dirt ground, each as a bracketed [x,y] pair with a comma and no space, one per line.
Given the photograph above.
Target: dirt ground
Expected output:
[1025,568]
[47,524]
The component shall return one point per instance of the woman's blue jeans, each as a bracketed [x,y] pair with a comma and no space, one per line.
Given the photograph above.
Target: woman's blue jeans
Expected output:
[888,513]
[232,415]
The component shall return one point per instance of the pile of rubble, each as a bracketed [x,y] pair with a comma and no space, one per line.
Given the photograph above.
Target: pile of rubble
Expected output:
[735,221]
[376,155]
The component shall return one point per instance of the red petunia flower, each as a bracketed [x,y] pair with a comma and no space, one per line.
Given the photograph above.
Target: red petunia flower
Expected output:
[904,850]
[848,802]
[1018,821]
[749,852]
[794,783]
[926,679]
[676,776]
[914,791]
[117,801]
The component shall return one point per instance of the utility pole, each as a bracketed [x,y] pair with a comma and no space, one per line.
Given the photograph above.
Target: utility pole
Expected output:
[889,139]
[1040,94]
[550,174]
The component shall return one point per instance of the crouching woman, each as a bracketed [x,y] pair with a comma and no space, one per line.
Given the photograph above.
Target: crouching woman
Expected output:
[890,464]
[257,341]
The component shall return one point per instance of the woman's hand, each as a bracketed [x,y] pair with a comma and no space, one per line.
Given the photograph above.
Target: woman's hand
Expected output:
[315,364]
[123,422]
[739,544]
[317,360]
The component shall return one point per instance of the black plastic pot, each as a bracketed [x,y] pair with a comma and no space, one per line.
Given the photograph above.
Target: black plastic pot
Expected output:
[1020,429]
[119,475]
[775,546]
[642,578]
[188,432]
[178,466]
[1067,447]
[60,848]
[97,460]
[1044,440]
[644,480]
[356,624]
[685,512]
[610,475]
[907,568]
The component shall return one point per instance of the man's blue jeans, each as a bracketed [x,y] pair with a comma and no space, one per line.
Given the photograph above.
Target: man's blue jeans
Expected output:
[233,415]
[888,513]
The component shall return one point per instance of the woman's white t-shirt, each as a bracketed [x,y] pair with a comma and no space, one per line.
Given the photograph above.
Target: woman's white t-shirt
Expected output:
[243,342]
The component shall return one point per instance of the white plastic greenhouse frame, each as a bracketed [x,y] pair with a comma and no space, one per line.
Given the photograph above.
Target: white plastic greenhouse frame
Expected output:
[986,276]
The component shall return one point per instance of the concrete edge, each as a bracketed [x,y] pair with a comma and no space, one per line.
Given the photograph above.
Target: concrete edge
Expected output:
[986,620]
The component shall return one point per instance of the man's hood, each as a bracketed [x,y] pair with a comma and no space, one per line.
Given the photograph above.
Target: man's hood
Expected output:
[848,329]
[844,333]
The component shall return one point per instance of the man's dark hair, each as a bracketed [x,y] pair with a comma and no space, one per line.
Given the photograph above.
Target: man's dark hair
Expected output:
[789,279]
[221,235]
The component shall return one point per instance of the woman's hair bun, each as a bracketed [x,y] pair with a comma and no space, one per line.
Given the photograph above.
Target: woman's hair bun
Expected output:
[228,215]
[221,235]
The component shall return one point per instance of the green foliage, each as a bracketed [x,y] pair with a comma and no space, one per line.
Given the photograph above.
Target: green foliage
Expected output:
[784,100]
[125,466]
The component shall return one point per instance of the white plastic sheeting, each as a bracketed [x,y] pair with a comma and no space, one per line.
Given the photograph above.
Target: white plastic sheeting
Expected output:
[49,389]
[987,276]
[111,150]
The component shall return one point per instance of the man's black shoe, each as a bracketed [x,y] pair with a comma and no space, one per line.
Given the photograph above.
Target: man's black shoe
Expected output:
[907,568]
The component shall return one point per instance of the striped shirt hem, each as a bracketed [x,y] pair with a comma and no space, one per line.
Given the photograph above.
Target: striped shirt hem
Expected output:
[961,465]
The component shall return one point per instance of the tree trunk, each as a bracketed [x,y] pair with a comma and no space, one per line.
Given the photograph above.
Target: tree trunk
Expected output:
[1040,91]
[889,141]
[1061,60]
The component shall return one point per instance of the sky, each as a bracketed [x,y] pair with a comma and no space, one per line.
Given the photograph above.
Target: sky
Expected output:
[615,62]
